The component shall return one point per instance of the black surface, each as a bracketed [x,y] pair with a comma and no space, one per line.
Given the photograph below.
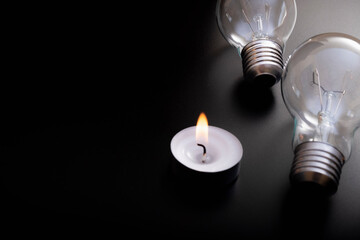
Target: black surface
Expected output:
[93,96]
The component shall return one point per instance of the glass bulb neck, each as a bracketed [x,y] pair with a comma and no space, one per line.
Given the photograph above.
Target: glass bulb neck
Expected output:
[317,164]
[262,62]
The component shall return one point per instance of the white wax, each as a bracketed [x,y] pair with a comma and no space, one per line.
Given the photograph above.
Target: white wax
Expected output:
[224,150]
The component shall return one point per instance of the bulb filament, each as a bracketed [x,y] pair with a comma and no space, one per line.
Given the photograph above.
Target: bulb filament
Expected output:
[329,107]
[259,19]
[330,94]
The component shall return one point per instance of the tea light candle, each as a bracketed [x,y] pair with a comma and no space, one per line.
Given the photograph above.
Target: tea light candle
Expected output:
[209,150]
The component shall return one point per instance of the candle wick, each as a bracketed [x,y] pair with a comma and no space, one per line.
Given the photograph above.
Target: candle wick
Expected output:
[203,159]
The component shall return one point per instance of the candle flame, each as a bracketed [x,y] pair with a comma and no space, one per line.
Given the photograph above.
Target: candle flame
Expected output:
[202,129]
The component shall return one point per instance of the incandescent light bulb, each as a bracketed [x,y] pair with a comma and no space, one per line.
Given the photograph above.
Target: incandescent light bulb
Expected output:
[259,30]
[321,89]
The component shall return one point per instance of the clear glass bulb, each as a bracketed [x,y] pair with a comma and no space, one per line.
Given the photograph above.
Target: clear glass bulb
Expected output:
[259,30]
[321,89]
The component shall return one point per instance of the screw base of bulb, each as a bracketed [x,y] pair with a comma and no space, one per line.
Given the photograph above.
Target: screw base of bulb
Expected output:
[317,165]
[262,62]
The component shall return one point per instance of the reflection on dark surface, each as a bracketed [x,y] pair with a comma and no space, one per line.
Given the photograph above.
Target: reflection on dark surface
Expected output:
[189,186]
[253,98]
[305,211]
[264,81]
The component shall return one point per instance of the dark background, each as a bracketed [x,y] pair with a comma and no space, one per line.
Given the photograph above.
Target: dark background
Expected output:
[92,96]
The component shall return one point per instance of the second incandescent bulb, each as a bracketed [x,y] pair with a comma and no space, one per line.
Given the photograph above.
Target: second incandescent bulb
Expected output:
[321,89]
[258,29]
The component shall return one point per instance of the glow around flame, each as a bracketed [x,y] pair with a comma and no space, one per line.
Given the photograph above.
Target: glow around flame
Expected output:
[202,130]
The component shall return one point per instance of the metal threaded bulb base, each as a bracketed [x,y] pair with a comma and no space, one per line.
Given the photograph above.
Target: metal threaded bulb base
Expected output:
[262,62]
[317,164]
